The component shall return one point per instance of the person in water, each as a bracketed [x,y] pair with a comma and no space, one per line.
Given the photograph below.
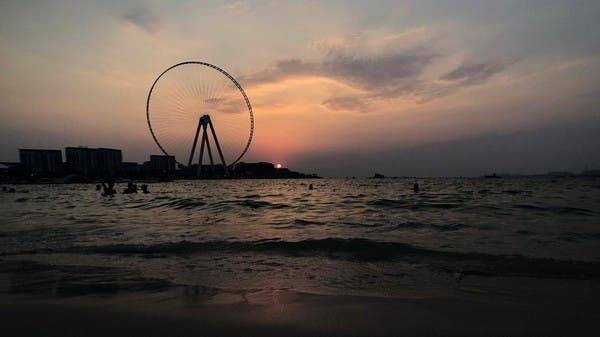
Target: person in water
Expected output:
[131,188]
[310,187]
[145,188]
[98,187]
[108,189]
[416,187]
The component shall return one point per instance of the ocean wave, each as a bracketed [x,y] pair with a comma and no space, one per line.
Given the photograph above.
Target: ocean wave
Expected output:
[30,277]
[189,203]
[411,205]
[197,203]
[517,192]
[574,237]
[556,209]
[367,250]
[304,222]
[439,227]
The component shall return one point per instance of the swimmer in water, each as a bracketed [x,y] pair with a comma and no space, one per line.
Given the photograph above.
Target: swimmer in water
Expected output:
[131,188]
[108,189]
[145,188]
[416,187]
[310,187]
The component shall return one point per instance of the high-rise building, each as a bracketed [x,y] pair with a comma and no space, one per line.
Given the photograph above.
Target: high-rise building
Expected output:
[162,163]
[41,161]
[93,161]
[109,160]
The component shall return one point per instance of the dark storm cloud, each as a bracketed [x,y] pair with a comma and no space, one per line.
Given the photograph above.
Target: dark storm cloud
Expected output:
[469,73]
[142,17]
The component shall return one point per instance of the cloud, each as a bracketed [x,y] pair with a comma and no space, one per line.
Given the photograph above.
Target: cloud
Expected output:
[590,94]
[236,6]
[382,68]
[143,18]
[346,103]
[364,72]
[469,73]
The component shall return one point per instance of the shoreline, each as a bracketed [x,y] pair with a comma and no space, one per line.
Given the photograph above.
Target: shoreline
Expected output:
[514,307]
[155,181]
[289,314]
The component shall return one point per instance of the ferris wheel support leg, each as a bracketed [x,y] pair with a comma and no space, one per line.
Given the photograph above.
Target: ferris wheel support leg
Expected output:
[194,144]
[201,151]
[210,156]
[214,134]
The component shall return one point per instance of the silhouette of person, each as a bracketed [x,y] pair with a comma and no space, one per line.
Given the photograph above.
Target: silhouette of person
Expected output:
[98,187]
[131,188]
[310,187]
[145,188]
[416,187]
[108,189]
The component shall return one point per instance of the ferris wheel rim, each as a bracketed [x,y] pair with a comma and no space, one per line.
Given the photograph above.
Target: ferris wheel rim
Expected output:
[231,78]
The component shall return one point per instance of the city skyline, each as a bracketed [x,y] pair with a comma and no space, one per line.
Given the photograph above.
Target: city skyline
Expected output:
[342,89]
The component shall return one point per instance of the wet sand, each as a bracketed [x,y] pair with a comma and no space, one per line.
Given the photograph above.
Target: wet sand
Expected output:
[186,311]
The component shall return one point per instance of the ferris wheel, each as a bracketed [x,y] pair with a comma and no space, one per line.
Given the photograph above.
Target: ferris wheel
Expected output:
[193,102]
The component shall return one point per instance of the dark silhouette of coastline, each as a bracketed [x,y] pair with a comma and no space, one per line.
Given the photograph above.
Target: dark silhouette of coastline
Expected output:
[95,165]
[87,165]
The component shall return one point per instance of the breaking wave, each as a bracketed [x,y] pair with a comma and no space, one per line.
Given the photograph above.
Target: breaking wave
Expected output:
[367,250]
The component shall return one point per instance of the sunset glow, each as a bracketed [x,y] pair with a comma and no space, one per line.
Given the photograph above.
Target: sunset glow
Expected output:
[299,168]
[344,86]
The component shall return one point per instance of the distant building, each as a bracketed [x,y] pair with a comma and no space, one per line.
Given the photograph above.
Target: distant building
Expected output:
[591,173]
[209,171]
[4,168]
[130,167]
[10,167]
[265,170]
[93,161]
[41,161]
[162,163]
[560,174]
[255,169]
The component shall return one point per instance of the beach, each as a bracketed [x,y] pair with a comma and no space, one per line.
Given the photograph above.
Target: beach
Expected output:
[569,310]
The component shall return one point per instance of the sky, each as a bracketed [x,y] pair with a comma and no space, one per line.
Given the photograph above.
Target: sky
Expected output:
[340,88]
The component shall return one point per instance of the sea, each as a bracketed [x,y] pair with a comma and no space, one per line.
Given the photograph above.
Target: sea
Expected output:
[358,237]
